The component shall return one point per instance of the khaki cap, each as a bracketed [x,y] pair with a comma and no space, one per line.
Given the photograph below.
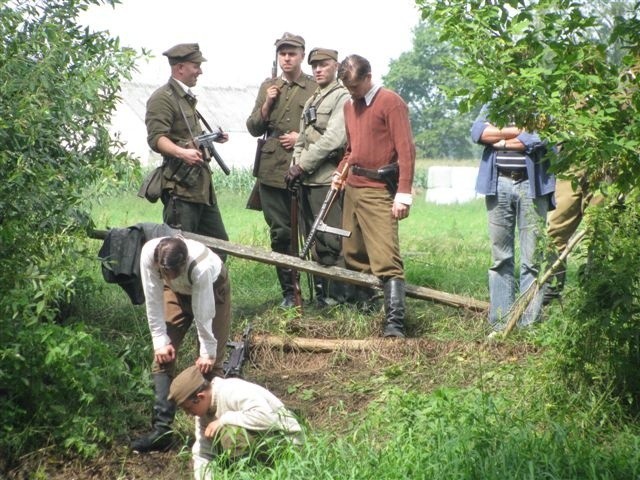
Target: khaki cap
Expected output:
[290,39]
[185,385]
[184,52]
[318,54]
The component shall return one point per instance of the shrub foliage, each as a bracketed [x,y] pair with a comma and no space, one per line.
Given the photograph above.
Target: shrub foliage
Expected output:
[60,84]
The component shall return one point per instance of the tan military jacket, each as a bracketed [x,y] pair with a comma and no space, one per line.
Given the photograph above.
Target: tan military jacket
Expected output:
[164,118]
[320,145]
[284,117]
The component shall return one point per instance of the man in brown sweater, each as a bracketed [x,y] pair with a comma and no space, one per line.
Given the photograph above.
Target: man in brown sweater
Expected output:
[380,155]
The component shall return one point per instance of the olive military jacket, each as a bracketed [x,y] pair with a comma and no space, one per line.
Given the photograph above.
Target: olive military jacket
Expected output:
[284,117]
[164,118]
[321,143]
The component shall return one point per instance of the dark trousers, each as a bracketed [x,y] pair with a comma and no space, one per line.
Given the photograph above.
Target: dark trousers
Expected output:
[327,246]
[276,208]
[194,217]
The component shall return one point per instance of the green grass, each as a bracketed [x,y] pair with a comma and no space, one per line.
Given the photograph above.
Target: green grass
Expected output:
[468,410]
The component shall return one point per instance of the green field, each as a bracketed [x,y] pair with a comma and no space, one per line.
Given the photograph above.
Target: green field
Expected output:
[446,404]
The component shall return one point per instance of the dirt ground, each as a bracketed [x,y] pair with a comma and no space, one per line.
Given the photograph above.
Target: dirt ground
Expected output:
[316,385]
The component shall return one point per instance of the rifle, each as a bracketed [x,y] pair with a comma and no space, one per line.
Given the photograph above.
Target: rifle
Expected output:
[253,202]
[295,276]
[232,367]
[318,223]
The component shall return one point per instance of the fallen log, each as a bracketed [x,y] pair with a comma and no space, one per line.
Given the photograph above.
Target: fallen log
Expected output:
[320,345]
[262,255]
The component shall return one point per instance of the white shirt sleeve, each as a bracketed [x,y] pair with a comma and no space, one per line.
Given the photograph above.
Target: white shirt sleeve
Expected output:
[404,198]
[203,302]
[201,452]
[153,286]
[247,405]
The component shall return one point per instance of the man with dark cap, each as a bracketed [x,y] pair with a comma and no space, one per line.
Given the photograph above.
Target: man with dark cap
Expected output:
[380,156]
[276,114]
[232,416]
[319,148]
[172,123]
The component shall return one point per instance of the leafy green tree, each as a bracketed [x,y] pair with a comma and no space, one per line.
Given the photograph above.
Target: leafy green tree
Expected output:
[543,63]
[570,70]
[424,77]
[60,84]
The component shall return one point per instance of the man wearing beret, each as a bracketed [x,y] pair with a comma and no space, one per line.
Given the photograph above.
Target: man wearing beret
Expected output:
[276,114]
[319,148]
[380,156]
[172,122]
[232,416]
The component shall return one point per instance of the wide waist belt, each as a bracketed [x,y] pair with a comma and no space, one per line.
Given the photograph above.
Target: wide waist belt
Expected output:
[366,172]
[516,174]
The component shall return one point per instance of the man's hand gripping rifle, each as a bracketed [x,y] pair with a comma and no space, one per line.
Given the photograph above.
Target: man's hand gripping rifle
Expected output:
[205,143]
[318,223]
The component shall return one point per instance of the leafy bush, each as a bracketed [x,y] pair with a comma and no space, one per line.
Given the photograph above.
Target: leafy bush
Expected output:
[60,84]
[599,342]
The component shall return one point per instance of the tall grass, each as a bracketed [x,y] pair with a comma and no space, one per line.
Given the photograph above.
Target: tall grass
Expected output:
[464,414]
[454,434]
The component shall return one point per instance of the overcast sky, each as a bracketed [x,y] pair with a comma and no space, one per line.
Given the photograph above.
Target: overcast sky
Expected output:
[237,36]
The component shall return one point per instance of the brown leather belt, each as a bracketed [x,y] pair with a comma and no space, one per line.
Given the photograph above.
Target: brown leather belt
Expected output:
[517,175]
[366,172]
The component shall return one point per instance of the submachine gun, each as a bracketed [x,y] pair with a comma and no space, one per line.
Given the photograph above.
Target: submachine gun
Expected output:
[318,223]
[232,366]
[205,143]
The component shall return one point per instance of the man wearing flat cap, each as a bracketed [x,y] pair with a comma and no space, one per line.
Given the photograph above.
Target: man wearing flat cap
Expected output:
[276,114]
[319,148]
[172,122]
[232,416]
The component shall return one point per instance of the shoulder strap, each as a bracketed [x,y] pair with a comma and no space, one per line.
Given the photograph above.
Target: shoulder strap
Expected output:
[317,103]
[193,263]
[184,116]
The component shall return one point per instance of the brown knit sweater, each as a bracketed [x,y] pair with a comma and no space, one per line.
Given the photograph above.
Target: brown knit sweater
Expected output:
[377,135]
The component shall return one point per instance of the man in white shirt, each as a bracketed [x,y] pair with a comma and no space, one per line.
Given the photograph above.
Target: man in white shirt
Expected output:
[232,415]
[183,281]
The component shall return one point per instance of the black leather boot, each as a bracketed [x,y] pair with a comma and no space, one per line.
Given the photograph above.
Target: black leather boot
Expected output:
[286,284]
[161,437]
[394,307]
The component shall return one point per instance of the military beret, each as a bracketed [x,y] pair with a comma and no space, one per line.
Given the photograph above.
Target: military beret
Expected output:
[318,54]
[290,39]
[184,52]
[185,385]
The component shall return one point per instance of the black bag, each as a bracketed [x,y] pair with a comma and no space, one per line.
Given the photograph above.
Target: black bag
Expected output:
[151,188]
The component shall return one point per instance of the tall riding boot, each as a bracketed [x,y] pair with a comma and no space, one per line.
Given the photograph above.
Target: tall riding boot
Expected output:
[286,283]
[394,307]
[161,437]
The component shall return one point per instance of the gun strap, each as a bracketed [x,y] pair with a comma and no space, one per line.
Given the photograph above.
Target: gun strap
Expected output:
[206,124]
[184,116]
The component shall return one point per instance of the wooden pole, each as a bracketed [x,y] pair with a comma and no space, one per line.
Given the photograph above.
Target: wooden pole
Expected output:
[262,255]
